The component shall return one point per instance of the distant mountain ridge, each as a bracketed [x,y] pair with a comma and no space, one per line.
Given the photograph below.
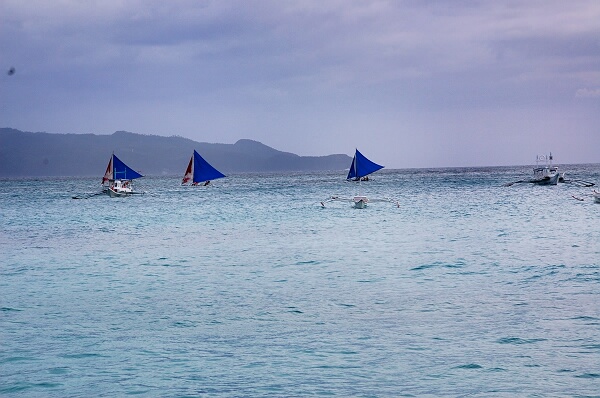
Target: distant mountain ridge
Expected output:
[28,154]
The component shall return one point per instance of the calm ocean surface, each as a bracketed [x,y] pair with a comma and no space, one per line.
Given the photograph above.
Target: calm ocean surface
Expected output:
[249,288]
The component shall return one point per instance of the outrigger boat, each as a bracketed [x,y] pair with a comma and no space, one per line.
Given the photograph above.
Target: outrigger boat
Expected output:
[118,179]
[549,175]
[360,168]
[546,174]
[200,171]
[595,194]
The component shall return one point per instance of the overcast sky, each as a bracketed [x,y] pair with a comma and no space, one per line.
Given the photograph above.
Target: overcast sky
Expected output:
[410,83]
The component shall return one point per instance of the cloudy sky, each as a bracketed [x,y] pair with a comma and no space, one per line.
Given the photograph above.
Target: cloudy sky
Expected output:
[411,83]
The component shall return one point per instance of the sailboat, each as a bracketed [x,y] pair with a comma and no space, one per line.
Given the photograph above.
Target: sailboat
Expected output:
[119,178]
[360,168]
[199,170]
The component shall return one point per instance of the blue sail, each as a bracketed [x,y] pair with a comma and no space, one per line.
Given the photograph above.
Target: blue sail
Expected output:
[361,166]
[203,171]
[123,172]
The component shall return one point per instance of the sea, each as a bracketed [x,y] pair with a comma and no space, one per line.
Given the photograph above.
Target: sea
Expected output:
[250,288]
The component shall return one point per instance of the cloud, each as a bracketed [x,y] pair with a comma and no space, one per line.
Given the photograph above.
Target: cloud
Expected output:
[588,93]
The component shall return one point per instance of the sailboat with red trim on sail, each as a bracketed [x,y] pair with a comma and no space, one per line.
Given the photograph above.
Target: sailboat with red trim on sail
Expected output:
[118,179]
[200,171]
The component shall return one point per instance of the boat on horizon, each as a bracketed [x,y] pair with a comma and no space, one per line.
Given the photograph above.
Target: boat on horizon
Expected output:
[359,170]
[546,174]
[118,179]
[200,171]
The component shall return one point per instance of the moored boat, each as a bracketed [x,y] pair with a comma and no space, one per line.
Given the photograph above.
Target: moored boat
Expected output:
[360,202]
[546,174]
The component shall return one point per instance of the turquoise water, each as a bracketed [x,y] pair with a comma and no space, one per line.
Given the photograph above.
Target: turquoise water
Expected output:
[250,288]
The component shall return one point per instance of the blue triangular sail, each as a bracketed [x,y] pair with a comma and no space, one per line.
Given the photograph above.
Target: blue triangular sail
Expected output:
[123,172]
[361,166]
[203,171]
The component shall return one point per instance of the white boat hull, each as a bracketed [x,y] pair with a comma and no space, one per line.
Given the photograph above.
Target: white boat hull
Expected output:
[546,177]
[116,194]
[360,202]
[548,174]
[547,180]
[119,189]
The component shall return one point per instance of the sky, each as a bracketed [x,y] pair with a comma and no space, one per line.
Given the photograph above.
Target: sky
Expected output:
[410,83]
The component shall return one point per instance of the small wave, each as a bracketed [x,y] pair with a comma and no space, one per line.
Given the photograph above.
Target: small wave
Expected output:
[458,264]
[80,356]
[59,371]
[565,371]
[20,387]
[584,318]
[423,267]
[469,366]
[497,370]
[517,340]
[591,346]
[17,359]
[8,309]
[309,262]
[581,277]
[589,376]
[138,392]
[184,324]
